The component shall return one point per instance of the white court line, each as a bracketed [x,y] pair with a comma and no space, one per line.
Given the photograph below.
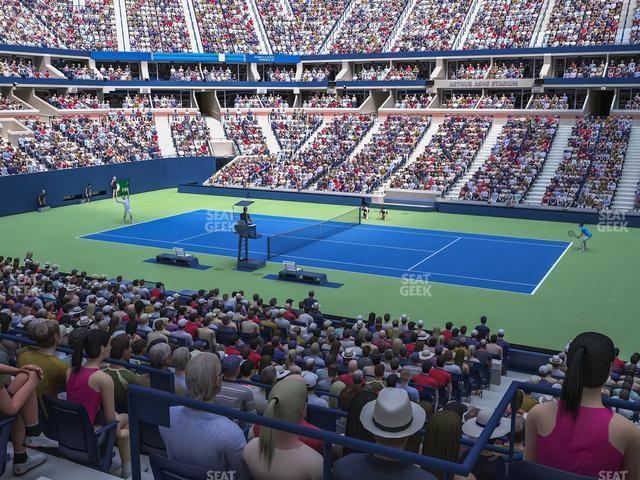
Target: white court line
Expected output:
[435,253]
[551,269]
[334,262]
[136,224]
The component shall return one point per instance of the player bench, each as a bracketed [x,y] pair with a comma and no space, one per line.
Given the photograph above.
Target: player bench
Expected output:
[294,274]
[179,258]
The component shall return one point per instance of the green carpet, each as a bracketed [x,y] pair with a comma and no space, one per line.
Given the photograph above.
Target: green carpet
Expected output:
[586,291]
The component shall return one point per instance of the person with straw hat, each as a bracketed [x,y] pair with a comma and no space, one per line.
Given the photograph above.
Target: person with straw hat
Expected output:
[391,418]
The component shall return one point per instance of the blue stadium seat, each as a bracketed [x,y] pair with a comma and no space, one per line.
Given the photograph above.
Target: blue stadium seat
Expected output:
[151,442]
[77,440]
[166,469]
[456,387]
[5,431]
[324,418]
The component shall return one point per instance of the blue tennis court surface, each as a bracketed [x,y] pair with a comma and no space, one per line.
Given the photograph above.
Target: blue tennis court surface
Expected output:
[518,265]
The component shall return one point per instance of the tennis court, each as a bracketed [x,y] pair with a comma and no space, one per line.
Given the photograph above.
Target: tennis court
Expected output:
[518,265]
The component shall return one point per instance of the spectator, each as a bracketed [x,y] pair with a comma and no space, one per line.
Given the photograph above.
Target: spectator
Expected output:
[577,434]
[442,440]
[180,359]
[121,376]
[272,454]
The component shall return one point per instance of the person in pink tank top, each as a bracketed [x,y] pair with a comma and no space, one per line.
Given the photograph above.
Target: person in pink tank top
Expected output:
[93,389]
[578,434]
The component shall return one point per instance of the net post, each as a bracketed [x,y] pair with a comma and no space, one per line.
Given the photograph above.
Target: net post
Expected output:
[268,248]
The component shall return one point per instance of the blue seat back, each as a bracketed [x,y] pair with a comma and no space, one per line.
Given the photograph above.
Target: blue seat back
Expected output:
[324,418]
[77,440]
[5,431]
[166,469]
[151,442]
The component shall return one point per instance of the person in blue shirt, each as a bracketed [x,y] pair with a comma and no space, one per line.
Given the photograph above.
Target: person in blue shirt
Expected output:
[585,235]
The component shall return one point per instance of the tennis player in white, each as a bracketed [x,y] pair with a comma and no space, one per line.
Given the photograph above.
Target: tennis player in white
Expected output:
[126,203]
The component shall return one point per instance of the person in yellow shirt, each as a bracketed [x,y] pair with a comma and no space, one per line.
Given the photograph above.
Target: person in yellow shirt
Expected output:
[47,336]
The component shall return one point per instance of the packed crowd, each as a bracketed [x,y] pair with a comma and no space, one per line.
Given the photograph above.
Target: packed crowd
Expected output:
[14,161]
[302,27]
[247,101]
[293,130]
[246,134]
[166,101]
[636,204]
[317,74]
[498,101]
[585,69]
[115,73]
[634,36]
[281,75]
[390,376]
[591,164]
[157,26]
[387,150]
[468,71]
[583,22]
[190,135]
[504,24]
[547,102]
[367,27]
[75,71]
[218,74]
[19,67]
[461,101]
[511,71]
[623,68]
[514,163]
[72,101]
[80,141]
[373,72]
[602,178]
[8,103]
[226,26]
[184,74]
[331,101]
[274,101]
[89,25]
[137,101]
[20,26]
[432,26]
[408,72]
[633,103]
[448,156]
[331,145]
[413,101]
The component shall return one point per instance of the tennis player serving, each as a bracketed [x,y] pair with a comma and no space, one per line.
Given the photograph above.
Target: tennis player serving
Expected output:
[127,209]
[584,236]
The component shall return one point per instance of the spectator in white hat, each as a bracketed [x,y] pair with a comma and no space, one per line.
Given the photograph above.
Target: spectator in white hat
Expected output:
[181,333]
[392,418]
[311,380]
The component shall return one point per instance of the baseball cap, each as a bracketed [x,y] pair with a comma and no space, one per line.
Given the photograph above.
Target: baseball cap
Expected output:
[231,363]
[182,322]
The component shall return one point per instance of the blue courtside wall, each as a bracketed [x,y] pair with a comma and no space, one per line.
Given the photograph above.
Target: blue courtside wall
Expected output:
[18,193]
[272,195]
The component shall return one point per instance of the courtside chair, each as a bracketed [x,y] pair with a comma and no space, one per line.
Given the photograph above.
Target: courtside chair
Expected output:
[5,432]
[77,439]
[166,469]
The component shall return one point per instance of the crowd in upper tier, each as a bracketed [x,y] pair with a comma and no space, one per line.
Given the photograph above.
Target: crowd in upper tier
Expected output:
[190,135]
[311,26]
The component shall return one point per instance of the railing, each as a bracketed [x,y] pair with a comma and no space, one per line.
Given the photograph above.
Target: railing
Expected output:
[334,30]
[408,8]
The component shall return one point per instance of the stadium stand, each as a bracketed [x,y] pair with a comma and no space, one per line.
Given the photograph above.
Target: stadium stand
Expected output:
[246,134]
[583,23]
[190,135]
[157,26]
[293,130]
[226,26]
[448,155]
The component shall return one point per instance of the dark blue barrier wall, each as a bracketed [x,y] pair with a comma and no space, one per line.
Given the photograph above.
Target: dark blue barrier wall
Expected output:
[272,195]
[18,193]
[536,213]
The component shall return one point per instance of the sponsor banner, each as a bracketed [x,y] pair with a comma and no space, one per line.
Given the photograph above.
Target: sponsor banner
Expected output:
[486,83]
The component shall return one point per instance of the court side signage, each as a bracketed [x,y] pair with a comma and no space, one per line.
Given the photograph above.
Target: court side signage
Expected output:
[486,83]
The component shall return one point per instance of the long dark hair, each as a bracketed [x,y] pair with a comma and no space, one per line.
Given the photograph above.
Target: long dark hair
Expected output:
[589,362]
[91,344]
[354,425]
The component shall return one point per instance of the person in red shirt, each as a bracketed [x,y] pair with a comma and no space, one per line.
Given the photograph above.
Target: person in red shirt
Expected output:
[192,327]
[424,379]
[441,376]
[447,333]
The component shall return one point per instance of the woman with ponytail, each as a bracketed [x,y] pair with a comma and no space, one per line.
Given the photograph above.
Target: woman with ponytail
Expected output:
[578,434]
[93,389]
[278,454]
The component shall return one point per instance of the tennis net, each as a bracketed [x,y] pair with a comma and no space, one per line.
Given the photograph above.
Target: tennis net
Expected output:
[286,242]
